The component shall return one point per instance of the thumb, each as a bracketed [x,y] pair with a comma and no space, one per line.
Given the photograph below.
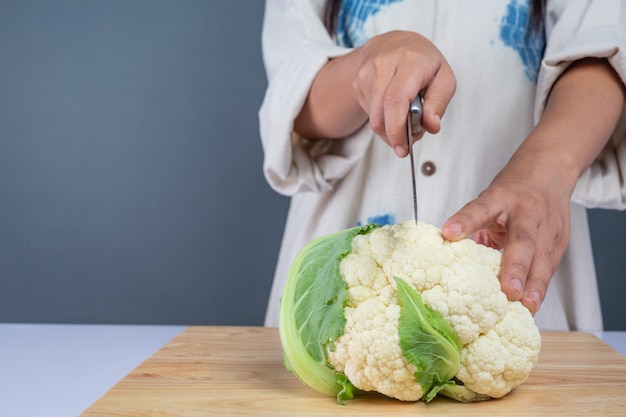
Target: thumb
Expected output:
[475,215]
[436,97]
[454,230]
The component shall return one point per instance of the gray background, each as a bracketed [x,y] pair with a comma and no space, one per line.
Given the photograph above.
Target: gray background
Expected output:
[131,188]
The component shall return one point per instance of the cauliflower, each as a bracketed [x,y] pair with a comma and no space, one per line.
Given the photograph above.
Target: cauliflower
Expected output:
[404,312]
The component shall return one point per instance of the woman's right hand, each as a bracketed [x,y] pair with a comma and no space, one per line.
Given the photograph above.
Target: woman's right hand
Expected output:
[378,81]
[393,68]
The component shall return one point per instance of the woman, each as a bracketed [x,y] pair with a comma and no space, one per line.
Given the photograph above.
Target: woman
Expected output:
[533,135]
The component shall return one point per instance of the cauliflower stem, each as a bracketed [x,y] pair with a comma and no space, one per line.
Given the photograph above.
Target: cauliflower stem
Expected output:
[461,393]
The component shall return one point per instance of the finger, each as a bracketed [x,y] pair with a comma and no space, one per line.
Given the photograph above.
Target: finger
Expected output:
[518,255]
[538,279]
[476,215]
[492,238]
[402,89]
[370,85]
[437,96]
[439,86]
[550,250]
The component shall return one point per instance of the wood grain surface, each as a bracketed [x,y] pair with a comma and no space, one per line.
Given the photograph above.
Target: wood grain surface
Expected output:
[238,371]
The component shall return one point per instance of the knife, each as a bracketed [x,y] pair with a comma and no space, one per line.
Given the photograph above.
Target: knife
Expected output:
[414,126]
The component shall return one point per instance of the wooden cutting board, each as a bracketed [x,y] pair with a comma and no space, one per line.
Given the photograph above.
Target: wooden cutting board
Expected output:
[238,371]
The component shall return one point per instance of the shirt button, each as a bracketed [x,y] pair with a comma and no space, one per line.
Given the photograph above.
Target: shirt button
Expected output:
[428,168]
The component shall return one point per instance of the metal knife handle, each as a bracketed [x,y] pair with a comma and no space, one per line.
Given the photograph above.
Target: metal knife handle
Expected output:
[416,115]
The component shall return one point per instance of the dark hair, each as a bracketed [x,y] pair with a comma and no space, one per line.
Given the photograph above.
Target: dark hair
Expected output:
[537,8]
[331,15]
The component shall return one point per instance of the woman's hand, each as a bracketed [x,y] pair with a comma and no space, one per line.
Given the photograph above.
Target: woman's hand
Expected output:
[377,81]
[525,210]
[393,69]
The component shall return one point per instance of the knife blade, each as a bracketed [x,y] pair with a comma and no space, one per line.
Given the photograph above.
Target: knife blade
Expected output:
[414,126]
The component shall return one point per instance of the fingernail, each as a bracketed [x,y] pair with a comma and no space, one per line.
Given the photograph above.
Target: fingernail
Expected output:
[532,300]
[437,119]
[515,289]
[400,151]
[455,229]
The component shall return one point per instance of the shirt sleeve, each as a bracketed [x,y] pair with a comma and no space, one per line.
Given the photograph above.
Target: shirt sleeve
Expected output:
[582,29]
[296,45]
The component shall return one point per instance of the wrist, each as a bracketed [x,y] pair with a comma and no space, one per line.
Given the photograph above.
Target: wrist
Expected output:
[331,109]
[550,166]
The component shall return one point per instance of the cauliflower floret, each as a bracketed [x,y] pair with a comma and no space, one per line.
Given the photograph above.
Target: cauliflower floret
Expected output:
[469,297]
[363,278]
[459,280]
[501,359]
[370,355]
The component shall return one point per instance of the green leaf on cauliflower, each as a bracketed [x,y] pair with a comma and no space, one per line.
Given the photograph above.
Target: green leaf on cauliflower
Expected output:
[312,312]
[427,340]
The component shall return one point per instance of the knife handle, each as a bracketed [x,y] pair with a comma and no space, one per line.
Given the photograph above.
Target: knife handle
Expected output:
[416,115]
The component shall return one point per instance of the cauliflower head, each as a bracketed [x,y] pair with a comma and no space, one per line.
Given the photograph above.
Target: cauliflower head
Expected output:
[402,311]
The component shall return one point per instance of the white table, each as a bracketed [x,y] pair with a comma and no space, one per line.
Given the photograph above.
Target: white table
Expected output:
[56,370]
[50,370]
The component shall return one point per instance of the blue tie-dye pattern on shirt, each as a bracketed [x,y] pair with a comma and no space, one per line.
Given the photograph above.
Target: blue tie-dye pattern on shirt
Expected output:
[516,33]
[381,220]
[352,16]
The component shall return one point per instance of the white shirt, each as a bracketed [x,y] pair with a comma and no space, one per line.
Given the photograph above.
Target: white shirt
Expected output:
[502,85]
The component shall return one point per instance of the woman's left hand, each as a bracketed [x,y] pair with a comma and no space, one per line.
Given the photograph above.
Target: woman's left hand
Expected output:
[525,212]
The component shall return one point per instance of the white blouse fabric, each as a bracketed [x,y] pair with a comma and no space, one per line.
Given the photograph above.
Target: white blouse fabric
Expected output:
[503,80]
